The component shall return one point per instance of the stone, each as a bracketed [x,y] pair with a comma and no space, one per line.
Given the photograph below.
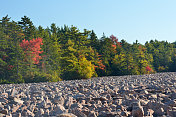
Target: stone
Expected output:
[171,103]
[121,107]
[129,108]
[27,103]
[95,93]
[59,109]
[92,102]
[59,100]
[19,115]
[15,108]
[102,114]
[103,99]
[173,96]
[117,102]
[154,96]
[19,101]
[79,95]
[47,112]
[47,101]
[144,102]
[155,105]
[1,105]
[171,113]
[86,111]
[23,107]
[2,115]
[83,102]
[78,112]
[24,113]
[119,111]
[149,113]
[13,92]
[32,107]
[66,115]
[144,92]
[159,112]
[29,113]
[9,115]
[88,99]
[137,112]
[47,89]
[108,96]
[126,102]
[76,105]
[4,95]
[111,114]
[92,114]
[42,104]
[4,111]
[113,106]
[137,109]
[68,102]
[3,100]
[21,95]
[41,111]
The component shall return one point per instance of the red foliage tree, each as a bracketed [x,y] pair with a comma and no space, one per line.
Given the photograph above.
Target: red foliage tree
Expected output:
[10,67]
[115,41]
[141,48]
[32,49]
[148,69]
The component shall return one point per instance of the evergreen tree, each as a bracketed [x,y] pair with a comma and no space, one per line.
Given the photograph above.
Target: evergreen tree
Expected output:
[11,52]
[68,53]
[94,42]
[28,27]
[143,59]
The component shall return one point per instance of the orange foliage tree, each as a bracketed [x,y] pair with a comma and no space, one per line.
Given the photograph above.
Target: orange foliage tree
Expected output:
[32,49]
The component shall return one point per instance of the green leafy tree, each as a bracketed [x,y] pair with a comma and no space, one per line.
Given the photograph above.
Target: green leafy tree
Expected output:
[162,54]
[123,64]
[107,52]
[51,57]
[10,51]
[143,59]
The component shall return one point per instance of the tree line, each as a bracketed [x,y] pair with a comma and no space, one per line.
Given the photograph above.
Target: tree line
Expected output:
[36,54]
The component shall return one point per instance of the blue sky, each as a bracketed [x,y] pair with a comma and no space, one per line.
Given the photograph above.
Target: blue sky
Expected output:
[127,19]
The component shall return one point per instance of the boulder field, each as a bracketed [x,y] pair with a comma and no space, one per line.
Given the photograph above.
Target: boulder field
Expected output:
[151,95]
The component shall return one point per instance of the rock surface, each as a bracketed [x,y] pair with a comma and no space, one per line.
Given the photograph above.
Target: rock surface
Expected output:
[114,96]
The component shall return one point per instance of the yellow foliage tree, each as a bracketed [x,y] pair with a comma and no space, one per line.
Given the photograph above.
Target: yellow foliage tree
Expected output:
[85,68]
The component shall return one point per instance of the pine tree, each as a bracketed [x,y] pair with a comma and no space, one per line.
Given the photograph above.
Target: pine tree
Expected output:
[11,52]
[28,27]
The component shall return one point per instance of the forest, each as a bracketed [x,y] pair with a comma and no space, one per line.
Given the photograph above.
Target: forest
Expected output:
[36,54]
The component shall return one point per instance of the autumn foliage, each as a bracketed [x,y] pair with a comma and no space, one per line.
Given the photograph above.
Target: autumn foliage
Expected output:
[71,54]
[100,64]
[32,49]
[115,41]
[148,69]
[10,67]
